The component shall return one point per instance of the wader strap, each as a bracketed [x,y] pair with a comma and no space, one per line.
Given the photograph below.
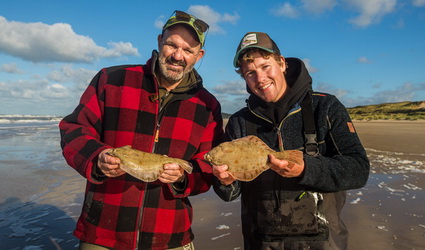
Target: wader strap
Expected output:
[251,127]
[311,146]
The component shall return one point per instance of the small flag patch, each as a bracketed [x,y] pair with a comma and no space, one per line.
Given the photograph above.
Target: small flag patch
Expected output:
[351,127]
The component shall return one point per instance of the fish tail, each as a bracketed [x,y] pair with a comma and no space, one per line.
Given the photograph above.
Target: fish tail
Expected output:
[294,156]
[186,166]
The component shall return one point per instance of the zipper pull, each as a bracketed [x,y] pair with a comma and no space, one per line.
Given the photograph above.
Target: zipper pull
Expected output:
[279,139]
[157,134]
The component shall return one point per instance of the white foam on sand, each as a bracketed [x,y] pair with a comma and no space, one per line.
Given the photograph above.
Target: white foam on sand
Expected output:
[220,236]
[395,163]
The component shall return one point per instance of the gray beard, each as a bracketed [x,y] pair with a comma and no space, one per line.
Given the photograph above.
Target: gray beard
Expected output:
[172,75]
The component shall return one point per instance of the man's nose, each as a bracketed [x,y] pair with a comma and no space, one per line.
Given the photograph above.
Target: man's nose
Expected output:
[178,54]
[261,76]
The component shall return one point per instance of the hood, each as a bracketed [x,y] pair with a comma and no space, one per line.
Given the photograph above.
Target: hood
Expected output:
[299,83]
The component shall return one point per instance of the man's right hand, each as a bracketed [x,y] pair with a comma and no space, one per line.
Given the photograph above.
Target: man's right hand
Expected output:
[109,165]
[223,175]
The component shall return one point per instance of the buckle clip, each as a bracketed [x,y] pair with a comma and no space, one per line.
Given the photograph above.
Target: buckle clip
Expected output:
[311,145]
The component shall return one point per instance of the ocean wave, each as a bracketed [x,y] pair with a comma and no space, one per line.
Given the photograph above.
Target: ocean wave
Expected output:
[28,119]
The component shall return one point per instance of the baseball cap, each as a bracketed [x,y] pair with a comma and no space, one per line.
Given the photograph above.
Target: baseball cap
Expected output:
[197,24]
[255,40]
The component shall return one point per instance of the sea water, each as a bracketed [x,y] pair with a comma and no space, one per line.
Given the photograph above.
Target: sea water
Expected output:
[40,196]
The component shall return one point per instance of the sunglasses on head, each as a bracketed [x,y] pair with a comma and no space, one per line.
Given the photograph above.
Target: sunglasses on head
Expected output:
[198,24]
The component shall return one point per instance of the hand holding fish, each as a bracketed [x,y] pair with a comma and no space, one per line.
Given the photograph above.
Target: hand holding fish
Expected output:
[150,167]
[286,168]
[109,165]
[172,173]
[225,177]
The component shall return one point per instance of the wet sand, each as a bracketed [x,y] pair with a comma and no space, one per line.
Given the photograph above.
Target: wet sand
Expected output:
[40,197]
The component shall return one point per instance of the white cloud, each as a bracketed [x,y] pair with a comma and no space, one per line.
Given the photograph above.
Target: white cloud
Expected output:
[306,6]
[11,68]
[55,91]
[38,96]
[232,95]
[371,11]
[66,74]
[363,59]
[286,10]
[213,18]
[39,42]
[309,67]
[119,49]
[404,92]
[207,14]
[159,22]
[231,88]
[318,6]
[419,3]
[58,91]
[328,88]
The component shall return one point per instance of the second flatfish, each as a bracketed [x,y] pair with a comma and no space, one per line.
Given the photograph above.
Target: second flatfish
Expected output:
[247,157]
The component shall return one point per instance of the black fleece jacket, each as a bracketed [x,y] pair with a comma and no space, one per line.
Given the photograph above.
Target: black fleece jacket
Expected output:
[341,165]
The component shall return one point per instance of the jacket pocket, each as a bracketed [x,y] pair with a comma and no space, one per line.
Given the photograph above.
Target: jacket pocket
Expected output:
[93,208]
[291,217]
[95,211]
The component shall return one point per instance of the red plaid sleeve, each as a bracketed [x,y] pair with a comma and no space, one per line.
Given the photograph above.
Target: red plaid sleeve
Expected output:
[81,130]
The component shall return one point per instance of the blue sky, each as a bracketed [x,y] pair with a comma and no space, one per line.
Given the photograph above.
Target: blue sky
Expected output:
[362,51]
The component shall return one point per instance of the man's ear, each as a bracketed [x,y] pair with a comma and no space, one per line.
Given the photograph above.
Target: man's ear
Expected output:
[282,64]
[201,54]
[159,40]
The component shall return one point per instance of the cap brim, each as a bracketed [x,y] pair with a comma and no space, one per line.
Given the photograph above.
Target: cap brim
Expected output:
[235,59]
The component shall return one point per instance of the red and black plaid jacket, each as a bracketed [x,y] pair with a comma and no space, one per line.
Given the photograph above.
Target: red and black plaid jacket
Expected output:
[120,107]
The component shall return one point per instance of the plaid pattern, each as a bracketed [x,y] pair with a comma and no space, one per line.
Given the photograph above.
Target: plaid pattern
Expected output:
[117,109]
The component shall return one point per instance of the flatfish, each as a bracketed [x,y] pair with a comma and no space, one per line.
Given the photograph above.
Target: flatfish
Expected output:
[145,166]
[247,157]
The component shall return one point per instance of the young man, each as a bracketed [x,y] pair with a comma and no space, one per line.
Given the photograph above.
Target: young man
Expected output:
[160,107]
[292,206]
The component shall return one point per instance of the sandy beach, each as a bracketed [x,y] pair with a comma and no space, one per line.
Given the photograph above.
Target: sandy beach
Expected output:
[40,196]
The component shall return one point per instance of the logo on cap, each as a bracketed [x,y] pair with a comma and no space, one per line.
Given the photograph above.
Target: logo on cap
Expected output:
[249,40]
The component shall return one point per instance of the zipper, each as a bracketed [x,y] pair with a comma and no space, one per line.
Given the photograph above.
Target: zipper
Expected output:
[156,139]
[139,224]
[278,128]
[279,138]
[158,123]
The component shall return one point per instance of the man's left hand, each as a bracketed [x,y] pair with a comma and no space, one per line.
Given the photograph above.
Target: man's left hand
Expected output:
[172,173]
[285,168]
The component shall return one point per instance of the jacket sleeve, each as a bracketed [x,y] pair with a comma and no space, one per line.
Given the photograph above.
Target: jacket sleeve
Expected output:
[344,165]
[81,131]
[232,191]
[200,180]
